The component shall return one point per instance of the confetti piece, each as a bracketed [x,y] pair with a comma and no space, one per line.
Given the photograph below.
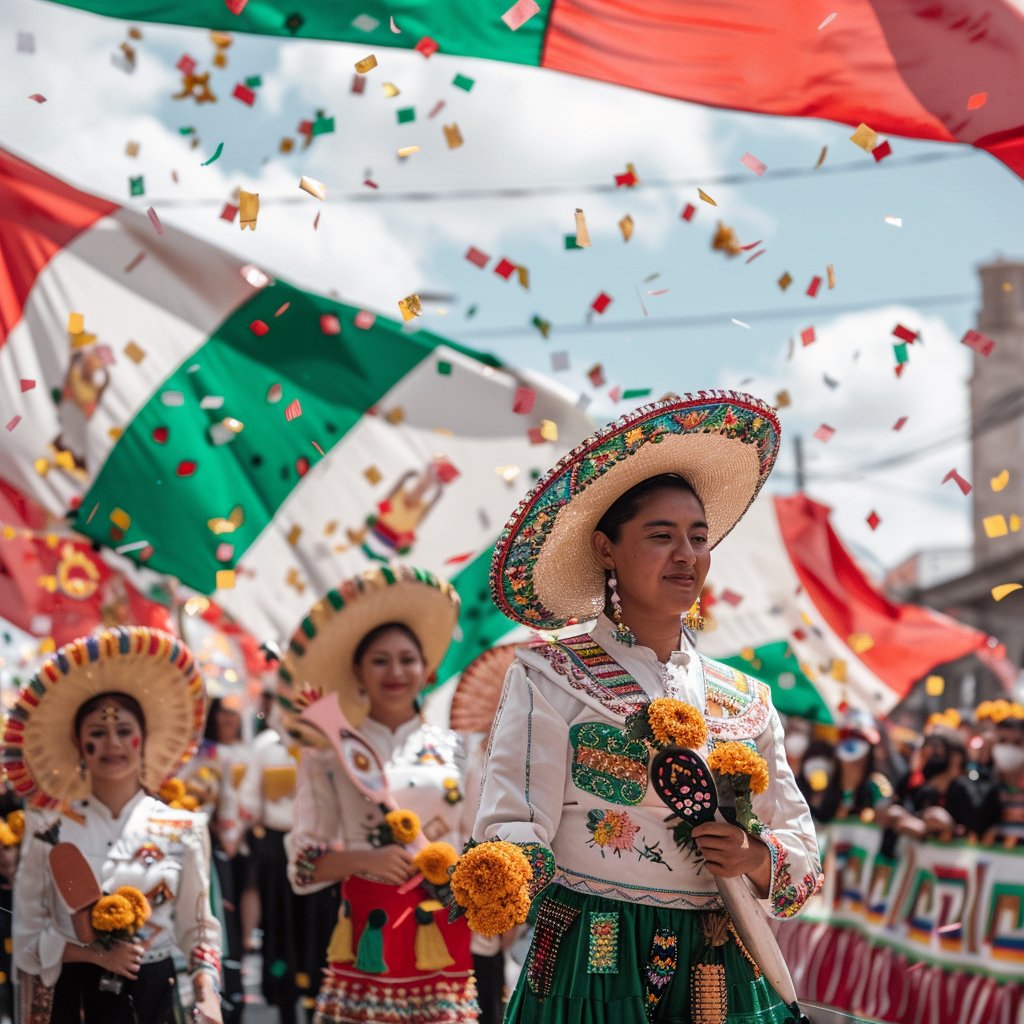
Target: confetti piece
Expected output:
[904,333]
[436,109]
[186,65]
[38,97]
[463,82]
[524,400]
[504,268]
[365,319]
[155,221]
[549,430]
[821,157]
[406,115]
[626,227]
[249,208]
[1015,522]
[900,352]
[216,155]
[136,186]
[477,258]
[873,519]
[1004,589]
[965,487]
[315,188]
[782,400]
[318,448]
[408,151]
[807,336]
[596,375]
[370,184]
[559,361]
[235,6]
[828,21]
[707,199]
[830,272]
[410,307]
[13,422]
[293,411]
[615,394]
[225,579]
[26,42]
[812,288]
[131,149]
[390,90]
[427,46]
[785,281]
[896,222]
[358,85]
[395,416]
[981,343]
[752,163]
[229,212]
[139,257]
[997,482]
[881,152]
[366,64]
[452,136]
[995,526]
[824,433]
[244,94]
[865,137]
[329,324]
[627,179]
[524,277]
[688,211]
[900,423]
[977,100]
[520,13]
[601,303]
[582,235]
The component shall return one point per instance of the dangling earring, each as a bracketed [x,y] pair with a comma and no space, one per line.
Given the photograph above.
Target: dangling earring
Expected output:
[693,619]
[82,770]
[622,632]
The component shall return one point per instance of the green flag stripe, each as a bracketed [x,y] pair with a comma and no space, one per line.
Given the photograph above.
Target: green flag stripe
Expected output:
[171,480]
[795,694]
[463,27]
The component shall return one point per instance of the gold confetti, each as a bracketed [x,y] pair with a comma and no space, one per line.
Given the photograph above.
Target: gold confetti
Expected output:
[286,145]
[410,307]
[524,277]
[626,227]
[830,270]
[134,352]
[859,643]
[452,136]
[785,281]
[395,416]
[373,474]
[114,433]
[235,519]
[131,149]
[121,519]
[294,534]
[934,686]
[225,579]
[999,482]
[508,473]
[821,157]
[865,137]
[390,90]
[582,235]
[706,197]
[748,653]
[549,430]
[248,209]
[366,64]
[315,188]
[1015,522]
[995,526]
[76,323]
[408,151]
[782,399]
[1003,589]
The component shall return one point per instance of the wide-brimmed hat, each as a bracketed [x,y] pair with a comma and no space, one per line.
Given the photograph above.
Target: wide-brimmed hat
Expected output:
[544,572]
[320,658]
[40,751]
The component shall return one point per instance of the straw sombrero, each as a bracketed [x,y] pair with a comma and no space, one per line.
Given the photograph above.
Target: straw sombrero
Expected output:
[544,572]
[319,658]
[158,670]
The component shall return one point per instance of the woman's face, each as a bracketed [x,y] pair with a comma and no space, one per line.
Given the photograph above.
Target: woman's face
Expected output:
[392,672]
[661,558]
[110,743]
[228,725]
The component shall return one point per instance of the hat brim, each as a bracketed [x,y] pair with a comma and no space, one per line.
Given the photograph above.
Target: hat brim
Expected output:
[40,750]
[321,655]
[545,573]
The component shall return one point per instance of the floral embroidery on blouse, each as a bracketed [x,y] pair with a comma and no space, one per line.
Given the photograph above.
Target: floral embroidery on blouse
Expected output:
[616,832]
[786,897]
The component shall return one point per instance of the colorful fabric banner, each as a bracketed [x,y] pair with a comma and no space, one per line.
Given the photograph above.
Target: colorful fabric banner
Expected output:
[946,70]
[255,441]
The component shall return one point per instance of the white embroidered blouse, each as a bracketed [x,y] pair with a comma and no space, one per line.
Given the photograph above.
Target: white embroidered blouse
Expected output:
[164,853]
[561,773]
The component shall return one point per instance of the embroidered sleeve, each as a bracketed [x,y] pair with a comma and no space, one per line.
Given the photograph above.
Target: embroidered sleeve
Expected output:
[197,931]
[317,823]
[542,861]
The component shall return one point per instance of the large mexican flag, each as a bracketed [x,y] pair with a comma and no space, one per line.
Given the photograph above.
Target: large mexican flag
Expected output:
[256,441]
[947,70]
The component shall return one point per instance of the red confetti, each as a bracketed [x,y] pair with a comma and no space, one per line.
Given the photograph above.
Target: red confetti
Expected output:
[370,184]
[965,487]
[981,343]
[358,86]
[899,368]
[615,394]
[882,151]
[427,46]
[186,65]
[329,324]
[900,423]
[294,411]
[824,433]
[535,436]
[524,401]
[504,268]
[365,320]
[155,221]
[235,6]
[135,262]
[977,101]
[459,559]
[904,334]
[730,597]
[38,97]
[317,447]
[753,164]
[316,220]
[688,211]
[873,520]
[160,434]
[27,385]
[229,213]
[476,257]
[601,303]
[245,94]
[445,471]
[259,328]
[13,422]
[760,252]
[627,180]
[187,467]
[812,288]
[436,109]
[283,308]
[596,375]
[807,336]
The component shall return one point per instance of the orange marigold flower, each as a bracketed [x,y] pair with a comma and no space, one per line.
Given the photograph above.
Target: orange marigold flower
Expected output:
[490,873]
[678,723]
[501,915]
[112,914]
[16,823]
[7,836]
[404,825]
[139,904]
[434,860]
[739,759]
[172,790]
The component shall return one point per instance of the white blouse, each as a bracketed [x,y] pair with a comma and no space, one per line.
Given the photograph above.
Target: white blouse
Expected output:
[424,767]
[267,794]
[164,853]
[560,773]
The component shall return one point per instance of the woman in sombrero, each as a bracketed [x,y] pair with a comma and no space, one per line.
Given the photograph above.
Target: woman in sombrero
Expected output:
[629,923]
[103,723]
[381,809]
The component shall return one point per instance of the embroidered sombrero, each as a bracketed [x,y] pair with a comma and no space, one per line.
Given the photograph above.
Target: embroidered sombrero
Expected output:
[544,572]
[158,670]
[319,658]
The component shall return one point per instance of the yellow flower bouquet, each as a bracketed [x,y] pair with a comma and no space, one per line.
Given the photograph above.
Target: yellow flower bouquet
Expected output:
[490,884]
[118,917]
[399,826]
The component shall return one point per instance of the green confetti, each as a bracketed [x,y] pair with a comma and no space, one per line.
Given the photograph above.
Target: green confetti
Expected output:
[463,82]
[443,368]
[471,312]
[570,242]
[636,393]
[542,325]
[254,81]
[136,186]
[900,351]
[406,114]
[323,125]
[187,130]
[216,155]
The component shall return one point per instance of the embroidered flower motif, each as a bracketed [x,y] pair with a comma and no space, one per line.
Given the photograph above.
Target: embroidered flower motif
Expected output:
[738,759]
[613,830]
[678,723]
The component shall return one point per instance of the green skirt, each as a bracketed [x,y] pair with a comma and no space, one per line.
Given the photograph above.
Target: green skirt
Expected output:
[601,961]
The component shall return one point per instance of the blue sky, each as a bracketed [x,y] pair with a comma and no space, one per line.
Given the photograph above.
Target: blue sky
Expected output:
[529,128]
